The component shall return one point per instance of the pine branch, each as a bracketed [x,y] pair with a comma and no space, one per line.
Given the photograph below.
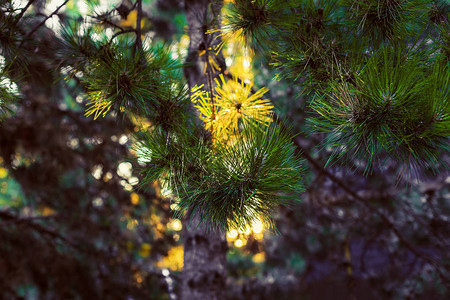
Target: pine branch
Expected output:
[366,203]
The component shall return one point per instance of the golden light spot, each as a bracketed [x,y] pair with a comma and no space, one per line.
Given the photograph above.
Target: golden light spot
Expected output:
[173,260]
[239,243]
[132,223]
[97,171]
[257,226]
[131,20]
[134,198]
[174,206]
[3,173]
[47,211]
[107,177]
[138,278]
[258,236]
[144,250]
[133,180]
[124,169]
[246,231]
[175,225]
[259,257]
[232,234]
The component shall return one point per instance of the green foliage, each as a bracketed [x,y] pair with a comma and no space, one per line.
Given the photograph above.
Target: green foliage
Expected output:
[77,47]
[439,12]
[145,82]
[123,80]
[250,178]
[9,35]
[371,73]
[231,185]
[385,19]
[256,21]
[6,98]
[320,50]
[443,40]
[8,95]
[174,157]
[398,106]
[376,76]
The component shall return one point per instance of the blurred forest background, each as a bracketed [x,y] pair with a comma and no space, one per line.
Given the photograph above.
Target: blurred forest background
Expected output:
[75,225]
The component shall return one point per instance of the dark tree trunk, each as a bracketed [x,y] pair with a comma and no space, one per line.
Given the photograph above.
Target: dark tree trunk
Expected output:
[204,272]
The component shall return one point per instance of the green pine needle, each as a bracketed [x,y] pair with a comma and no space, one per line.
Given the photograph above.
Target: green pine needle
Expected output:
[398,107]
[134,82]
[246,180]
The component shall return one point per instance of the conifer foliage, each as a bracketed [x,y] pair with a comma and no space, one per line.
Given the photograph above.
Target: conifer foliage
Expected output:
[378,97]
[374,75]
[375,72]
[191,161]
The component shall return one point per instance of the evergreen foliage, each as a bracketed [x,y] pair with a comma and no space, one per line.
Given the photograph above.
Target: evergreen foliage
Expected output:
[377,82]
[376,97]
[374,76]
[397,108]
[7,96]
[190,163]
[227,185]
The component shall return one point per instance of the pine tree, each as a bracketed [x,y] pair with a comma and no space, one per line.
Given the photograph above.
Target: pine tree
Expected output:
[375,75]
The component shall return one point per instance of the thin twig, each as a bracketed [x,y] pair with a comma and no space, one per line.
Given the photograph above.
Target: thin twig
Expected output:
[18,220]
[108,22]
[19,16]
[119,33]
[365,203]
[43,22]
[10,217]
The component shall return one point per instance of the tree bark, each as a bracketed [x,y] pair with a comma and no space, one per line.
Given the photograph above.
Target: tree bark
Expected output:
[204,272]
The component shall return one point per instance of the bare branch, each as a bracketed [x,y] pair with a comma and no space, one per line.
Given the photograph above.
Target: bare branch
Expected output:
[43,22]
[22,12]
[121,32]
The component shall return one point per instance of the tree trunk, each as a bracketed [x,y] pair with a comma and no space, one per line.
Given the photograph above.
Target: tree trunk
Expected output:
[204,272]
